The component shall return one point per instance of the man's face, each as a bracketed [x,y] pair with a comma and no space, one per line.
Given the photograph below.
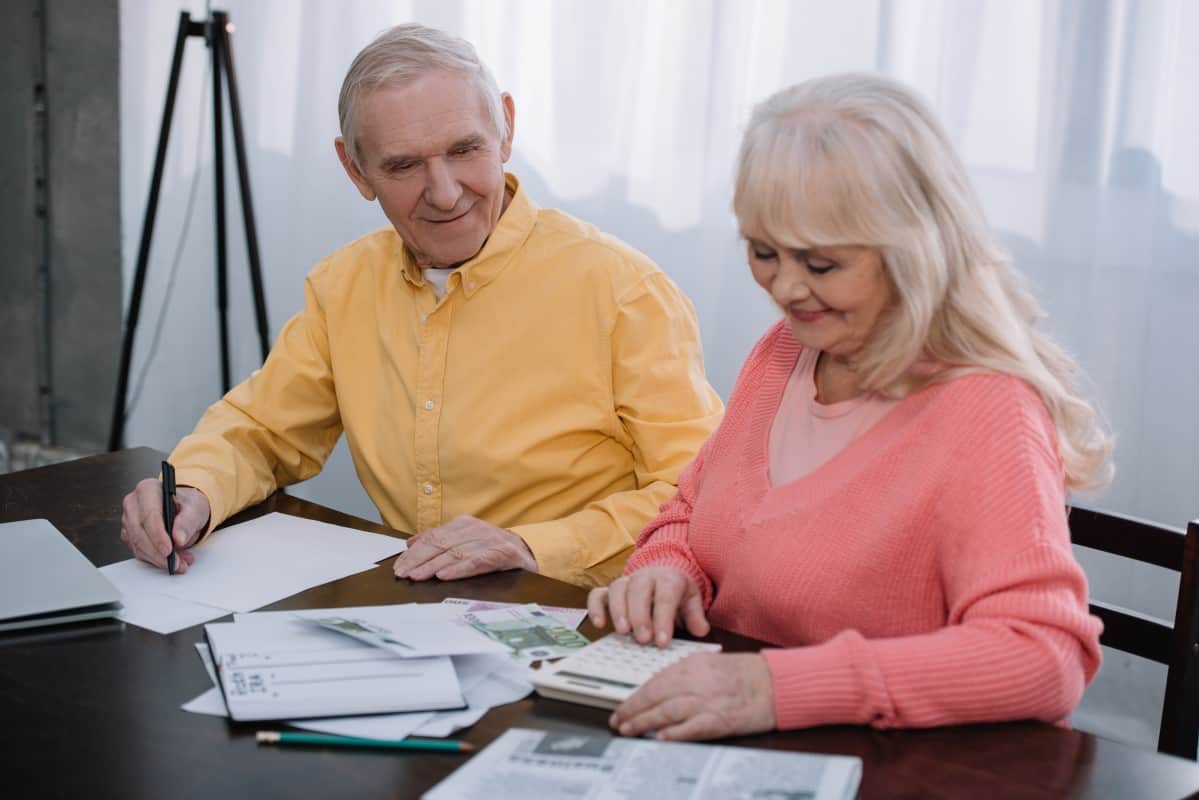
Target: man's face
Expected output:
[429,152]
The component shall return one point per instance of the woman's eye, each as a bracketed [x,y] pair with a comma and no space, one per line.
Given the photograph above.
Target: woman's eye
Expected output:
[819,267]
[762,255]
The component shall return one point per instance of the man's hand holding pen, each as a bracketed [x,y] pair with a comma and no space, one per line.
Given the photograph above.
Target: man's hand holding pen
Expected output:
[144,529]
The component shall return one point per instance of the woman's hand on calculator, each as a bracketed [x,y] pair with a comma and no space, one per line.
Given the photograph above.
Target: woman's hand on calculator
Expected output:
[648,603]
[704,696]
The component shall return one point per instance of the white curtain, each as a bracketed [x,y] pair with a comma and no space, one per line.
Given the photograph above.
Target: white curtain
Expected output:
[1077,120]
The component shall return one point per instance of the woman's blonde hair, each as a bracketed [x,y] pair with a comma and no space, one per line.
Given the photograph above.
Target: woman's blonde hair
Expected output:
[859,159]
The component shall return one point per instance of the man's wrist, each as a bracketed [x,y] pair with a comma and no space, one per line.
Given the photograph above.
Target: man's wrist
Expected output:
[526,552]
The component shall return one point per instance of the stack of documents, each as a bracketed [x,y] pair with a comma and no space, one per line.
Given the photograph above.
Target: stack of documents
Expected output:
[379,672]
[244,567]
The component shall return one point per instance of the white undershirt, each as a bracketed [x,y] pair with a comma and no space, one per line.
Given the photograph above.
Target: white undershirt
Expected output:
[437,278]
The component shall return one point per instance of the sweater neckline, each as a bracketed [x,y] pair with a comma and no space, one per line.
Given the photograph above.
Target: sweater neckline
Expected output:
[754,478]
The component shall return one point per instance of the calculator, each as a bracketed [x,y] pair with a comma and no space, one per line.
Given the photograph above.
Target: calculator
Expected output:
[607,671]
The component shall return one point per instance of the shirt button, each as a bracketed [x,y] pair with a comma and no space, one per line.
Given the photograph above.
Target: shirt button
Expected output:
[470,285]
[428,405]
[424,317]
[428,487]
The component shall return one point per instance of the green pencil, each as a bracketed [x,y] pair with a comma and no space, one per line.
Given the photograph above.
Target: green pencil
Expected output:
[288,737]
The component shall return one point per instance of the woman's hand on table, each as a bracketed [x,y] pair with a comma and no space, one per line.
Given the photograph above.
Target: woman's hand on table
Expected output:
[704,696]
[648,603]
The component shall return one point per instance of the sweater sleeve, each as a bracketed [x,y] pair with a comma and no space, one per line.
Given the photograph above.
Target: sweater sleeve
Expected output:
[664,541]
[1018,642]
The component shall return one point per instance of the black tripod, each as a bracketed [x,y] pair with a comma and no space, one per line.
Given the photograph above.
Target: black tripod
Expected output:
[215,33]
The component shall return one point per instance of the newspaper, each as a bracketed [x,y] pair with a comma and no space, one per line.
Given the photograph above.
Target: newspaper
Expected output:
[530,632]
[526,763]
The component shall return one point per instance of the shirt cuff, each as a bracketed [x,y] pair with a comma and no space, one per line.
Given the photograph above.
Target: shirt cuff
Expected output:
[200,480]
[555,548]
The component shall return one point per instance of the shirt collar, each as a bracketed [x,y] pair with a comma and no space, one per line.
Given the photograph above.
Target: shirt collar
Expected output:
[513,228]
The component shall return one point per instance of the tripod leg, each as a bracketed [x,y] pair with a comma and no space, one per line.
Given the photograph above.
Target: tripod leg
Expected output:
[222,269]
[243,179]
[116,433]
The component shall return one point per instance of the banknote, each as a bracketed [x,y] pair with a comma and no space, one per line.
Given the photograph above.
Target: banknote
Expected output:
[529,631]
[571,617]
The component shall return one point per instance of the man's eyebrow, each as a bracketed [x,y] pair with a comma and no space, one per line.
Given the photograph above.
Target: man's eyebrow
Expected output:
[473,140]
[392,162]
[400,160]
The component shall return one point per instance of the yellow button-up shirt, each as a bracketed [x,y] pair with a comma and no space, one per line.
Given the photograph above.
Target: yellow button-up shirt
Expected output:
[557,389]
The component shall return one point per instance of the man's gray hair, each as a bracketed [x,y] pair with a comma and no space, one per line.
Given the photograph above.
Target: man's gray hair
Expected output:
[403,54]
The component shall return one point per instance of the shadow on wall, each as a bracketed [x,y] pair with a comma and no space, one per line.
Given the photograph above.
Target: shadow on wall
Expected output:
[1120,282]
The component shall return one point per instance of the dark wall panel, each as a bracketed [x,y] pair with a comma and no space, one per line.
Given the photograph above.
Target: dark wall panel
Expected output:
[82,82]
[19,319]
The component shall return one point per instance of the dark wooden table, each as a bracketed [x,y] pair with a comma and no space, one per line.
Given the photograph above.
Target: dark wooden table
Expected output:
[93,710]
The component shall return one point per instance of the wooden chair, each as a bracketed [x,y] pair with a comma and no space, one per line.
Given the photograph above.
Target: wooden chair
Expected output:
[1176,646]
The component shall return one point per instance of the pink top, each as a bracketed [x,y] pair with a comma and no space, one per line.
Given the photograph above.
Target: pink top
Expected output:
[807,433]
[922,576]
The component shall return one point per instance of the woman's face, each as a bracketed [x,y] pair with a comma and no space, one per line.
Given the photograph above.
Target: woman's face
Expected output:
[832,296]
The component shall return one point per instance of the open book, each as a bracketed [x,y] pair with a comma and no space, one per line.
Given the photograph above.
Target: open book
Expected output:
[280,666]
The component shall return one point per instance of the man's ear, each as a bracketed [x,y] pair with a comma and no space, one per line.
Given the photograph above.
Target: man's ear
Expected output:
[510,117]
[347,163]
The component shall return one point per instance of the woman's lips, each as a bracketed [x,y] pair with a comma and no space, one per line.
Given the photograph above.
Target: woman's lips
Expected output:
[803,315]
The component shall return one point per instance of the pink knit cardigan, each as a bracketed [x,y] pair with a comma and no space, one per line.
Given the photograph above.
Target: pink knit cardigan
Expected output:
[923,576]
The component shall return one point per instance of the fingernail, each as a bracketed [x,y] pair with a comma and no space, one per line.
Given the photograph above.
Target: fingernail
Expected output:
[662,639]
[643,633]
[626,729]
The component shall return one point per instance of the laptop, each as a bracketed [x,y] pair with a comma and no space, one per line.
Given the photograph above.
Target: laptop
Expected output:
[45,580]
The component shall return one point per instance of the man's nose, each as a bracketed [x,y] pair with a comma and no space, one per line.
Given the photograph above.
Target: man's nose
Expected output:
[442,189]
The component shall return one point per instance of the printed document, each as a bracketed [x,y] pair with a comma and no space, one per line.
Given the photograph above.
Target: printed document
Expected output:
[289,669]
[526,763]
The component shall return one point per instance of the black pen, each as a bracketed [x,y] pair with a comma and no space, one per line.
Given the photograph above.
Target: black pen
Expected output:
[168,510]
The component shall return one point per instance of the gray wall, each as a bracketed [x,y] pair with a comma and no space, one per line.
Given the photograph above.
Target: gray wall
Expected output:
[20,48]
[60,282]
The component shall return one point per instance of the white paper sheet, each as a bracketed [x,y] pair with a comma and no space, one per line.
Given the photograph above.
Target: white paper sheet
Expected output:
[496,689]
[255,563]
[486,681]
[161,613]
[288,668]
[211,702]
[426,629]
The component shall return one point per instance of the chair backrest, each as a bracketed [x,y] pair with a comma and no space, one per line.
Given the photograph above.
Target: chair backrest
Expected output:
[1176,645]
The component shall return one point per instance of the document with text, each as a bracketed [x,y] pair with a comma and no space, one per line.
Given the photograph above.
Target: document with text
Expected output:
[526,763]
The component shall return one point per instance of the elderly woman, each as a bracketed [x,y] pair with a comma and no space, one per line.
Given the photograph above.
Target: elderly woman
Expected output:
[885,499]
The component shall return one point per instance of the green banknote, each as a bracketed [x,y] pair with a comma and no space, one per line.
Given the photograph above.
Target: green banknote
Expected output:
[530,632]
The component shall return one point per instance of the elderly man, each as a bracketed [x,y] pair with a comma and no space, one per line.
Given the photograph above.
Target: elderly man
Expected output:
[515,385]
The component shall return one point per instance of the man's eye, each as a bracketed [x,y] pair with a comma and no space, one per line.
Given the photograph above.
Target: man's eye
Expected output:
[464,151]
[401,168]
